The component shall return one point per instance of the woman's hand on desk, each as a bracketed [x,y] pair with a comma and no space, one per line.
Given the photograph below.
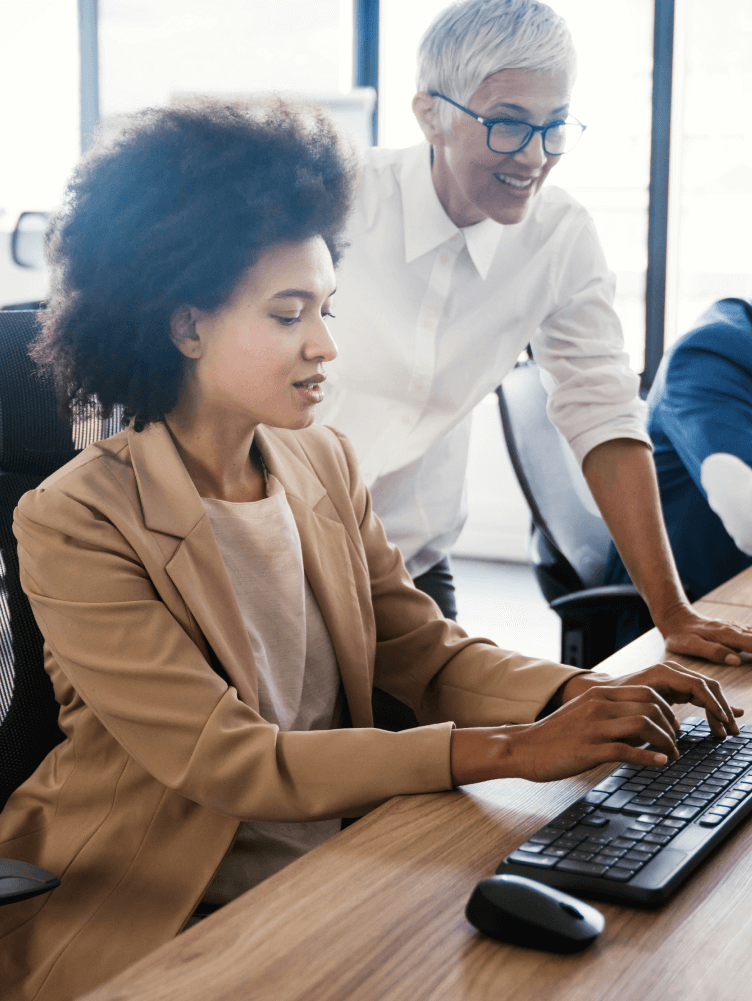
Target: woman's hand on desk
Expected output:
[693,635]
[601,719]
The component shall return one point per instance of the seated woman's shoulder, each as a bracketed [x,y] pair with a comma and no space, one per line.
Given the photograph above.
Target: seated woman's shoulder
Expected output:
[84,476]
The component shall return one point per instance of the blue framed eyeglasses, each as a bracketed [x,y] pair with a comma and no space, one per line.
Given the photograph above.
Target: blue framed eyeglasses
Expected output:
[508,135]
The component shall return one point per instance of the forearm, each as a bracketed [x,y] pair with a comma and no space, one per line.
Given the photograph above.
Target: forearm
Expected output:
[622,480]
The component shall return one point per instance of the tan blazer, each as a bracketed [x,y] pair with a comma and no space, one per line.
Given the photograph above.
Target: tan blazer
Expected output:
[165,752]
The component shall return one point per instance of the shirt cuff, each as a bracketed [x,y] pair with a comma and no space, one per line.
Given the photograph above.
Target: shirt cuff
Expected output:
[587,441]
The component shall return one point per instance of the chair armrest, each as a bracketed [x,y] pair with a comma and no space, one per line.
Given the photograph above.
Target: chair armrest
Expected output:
[20,880]
[594,600]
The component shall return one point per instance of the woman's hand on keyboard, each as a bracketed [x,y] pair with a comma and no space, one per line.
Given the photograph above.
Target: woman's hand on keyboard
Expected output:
[675,685]
[606,720]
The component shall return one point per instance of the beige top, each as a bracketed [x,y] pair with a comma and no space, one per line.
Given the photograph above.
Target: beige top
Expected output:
[298,677]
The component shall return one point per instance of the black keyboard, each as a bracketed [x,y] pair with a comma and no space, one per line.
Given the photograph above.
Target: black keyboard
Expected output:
[638,835]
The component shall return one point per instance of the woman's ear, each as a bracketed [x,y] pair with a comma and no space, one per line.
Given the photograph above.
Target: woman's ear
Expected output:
[425,109]
[183,333]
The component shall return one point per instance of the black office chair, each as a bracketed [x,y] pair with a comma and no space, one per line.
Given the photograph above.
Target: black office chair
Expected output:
[569,541]
[33,444]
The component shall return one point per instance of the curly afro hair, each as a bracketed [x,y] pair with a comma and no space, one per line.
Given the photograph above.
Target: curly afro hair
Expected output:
[169,213]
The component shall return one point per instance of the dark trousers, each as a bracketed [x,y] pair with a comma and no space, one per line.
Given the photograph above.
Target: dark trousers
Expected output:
[389,713]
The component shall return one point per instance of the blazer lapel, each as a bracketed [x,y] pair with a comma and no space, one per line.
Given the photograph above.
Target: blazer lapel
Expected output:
[173,507]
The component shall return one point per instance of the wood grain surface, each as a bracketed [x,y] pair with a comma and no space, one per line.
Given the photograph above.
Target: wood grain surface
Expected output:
[378,911]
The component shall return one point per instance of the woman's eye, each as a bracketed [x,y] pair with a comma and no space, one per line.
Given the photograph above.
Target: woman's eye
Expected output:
[287,321]
[329,314]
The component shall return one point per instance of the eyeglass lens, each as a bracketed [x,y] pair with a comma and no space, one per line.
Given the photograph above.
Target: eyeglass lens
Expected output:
[508,137]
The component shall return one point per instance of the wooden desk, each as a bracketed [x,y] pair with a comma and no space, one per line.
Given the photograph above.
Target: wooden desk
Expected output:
[378,911]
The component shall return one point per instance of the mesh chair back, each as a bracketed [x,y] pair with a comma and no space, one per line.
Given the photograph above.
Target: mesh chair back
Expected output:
[560,501]
[33,444]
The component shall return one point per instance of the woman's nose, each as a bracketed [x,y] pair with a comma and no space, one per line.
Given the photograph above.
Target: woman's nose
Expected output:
[533,155]
[321,344]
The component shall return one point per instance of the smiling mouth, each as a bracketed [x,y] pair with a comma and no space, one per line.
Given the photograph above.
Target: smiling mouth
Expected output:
[514,182]
[310,383]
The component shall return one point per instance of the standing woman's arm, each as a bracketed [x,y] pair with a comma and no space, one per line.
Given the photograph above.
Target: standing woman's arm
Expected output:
[594,402]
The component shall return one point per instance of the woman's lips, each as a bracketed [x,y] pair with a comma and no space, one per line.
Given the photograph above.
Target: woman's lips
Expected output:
[521,186]
[311,389]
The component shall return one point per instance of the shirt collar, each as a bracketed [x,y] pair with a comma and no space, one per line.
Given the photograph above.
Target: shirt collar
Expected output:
[426,224]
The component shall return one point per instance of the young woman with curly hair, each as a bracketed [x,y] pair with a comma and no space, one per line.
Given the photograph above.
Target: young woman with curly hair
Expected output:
[216,596]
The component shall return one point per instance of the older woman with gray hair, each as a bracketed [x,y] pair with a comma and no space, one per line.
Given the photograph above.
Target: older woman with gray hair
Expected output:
[460,256]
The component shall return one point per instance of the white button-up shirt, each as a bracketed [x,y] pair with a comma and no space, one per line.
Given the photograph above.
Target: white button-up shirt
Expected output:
[430,318]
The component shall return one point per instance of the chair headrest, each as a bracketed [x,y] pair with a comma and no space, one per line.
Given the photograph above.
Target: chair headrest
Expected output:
[32,438]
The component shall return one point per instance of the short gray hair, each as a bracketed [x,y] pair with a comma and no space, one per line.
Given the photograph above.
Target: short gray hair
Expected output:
[470,40]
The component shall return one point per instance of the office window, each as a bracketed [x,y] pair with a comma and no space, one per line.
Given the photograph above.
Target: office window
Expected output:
[150,53]
[710,250]
[39,121]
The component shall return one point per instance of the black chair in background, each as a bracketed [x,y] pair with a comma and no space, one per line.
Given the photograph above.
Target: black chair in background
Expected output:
[33,444]
[569,541]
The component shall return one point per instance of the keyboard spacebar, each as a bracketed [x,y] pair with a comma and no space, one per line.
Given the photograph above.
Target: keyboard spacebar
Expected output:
[583,868]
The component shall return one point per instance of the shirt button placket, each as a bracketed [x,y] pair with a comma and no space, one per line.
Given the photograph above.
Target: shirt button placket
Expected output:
[429,316]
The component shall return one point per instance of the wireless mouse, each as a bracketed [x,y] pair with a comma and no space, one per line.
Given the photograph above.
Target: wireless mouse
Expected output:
[521,911]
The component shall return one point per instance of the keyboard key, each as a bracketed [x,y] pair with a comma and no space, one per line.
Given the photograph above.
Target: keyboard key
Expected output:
[602,860]
[685,812]
[611,784]
[614,851]
[714,784]
[711,819]
[567,846]
[619,875]
[629,864]
[642,824]
[618,800]
[544,837]
[646,811]
[723,810]
[671,822]
[636,856]
[595,820]
[595,844]
[698,799]
[595,798]
[580,856]
[541,861]
[654,838]
[624,843]
[558,852]
[563,825]
[529,846]
[625,771]
[731,799]
[583,868]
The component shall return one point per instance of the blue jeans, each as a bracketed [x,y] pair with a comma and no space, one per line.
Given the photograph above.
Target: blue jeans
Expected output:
[389,713]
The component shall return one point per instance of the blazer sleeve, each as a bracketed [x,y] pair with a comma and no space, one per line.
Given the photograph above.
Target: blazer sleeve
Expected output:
[428,661]
[130,666]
